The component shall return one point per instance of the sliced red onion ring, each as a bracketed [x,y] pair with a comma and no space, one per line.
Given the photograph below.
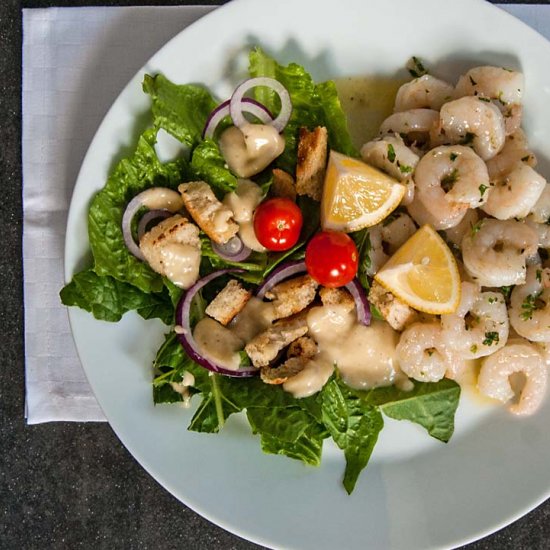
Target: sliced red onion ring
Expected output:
[185,333]
[279,274]
[234,250]
[236,102]
[148,217]
[248,105]
[171,199]
[294,268]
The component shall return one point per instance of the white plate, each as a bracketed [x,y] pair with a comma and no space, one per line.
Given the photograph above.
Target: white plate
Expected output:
[417,492]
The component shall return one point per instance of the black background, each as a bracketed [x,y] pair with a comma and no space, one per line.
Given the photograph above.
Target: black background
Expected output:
[73,485]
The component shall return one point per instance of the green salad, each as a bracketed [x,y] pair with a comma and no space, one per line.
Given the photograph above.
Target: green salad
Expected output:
[118,282]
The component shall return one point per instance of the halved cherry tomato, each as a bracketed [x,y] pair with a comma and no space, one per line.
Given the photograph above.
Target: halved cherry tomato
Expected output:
[277,223]
[332,258]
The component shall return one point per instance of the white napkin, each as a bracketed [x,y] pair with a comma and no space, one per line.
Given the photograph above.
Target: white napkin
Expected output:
[67,52]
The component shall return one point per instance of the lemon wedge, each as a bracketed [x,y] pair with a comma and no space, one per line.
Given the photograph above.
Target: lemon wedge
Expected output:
[423,273]
[356,195]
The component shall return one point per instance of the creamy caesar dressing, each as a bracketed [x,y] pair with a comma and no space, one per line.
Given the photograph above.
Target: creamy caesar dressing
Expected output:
[218,343]
[220,220]
[255,317]
[312,379]
[367,101]
[250,149]
[161,198]
[242,202]
[183,388]
[365,355]
[181,263]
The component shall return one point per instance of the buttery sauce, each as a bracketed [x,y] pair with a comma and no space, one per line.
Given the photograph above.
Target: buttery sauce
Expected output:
[367,101]
[162,198]
[183,388]
[218,343]
[180,263]
[250,149]
[242,202]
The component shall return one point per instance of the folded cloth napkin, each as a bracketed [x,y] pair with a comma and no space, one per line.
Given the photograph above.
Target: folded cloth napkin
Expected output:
[67,51]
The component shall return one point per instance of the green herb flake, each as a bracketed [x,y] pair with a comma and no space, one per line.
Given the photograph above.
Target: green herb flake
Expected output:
[472,81]
[391,153]
[416,68]
[490,338]
[404,168]
[530,305]
[449,180]
[482,189]
[453,156]
[485,99]
[473,348]
[538,275]
[476,227]
[506,290]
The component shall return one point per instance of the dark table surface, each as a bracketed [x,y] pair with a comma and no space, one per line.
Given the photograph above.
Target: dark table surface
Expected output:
[71,485]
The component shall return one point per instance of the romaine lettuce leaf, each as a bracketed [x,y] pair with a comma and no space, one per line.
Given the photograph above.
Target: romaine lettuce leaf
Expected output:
[108,299]
[312,105]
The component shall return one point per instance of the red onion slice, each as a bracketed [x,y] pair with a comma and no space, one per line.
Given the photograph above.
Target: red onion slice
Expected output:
[148,217]
[151,197]
[248,105]
[185,333]
[236,102]
[279,274]
[289,269]
[234,250]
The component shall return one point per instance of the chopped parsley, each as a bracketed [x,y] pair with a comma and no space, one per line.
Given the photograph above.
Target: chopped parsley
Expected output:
[506,290]
[486,99]
[473,348]
[416,68]
[538,275]
[482,189]
[490,338]
[476,227]
[391,153]
[472,81]
[404,168]
[453,156]
[449,180]
[529,305]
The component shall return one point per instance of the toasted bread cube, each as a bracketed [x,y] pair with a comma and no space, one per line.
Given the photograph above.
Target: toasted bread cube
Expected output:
[312,161]
[395,312]
[337,297]
[292,296]
[265,347]
[304,347]
[283,185]
[279,375]
[228,302]
[212,216]
[157,246]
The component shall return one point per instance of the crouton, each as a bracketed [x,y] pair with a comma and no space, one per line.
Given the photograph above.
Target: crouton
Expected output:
[212,216]
[265,347]
[292,296]
[283,185]
[302,347]
[312,160]
[337,297]
[157,247]
[397,314]
[280,374]
[228,302]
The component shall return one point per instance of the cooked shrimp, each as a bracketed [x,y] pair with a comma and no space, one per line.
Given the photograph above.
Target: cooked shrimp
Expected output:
[530,305]
[515,150]
[471,120]
[521,357]
[541,229]
[495,252]
[448,215]
[390,154]
[456,234]
[541,211]
[503,86]
[421,353]
[451,174]
[479,326]
[396,231]
[515,194]
[424,92]
[415,123]
[377,256]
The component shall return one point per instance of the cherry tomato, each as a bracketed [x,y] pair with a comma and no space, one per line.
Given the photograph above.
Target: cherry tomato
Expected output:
[277,223]
[332,258]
